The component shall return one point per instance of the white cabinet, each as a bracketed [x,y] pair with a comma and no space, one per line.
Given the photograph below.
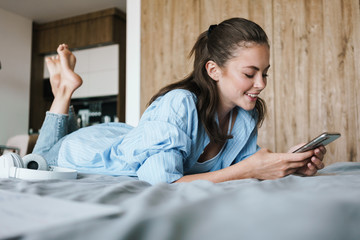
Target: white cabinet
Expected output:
[99,69]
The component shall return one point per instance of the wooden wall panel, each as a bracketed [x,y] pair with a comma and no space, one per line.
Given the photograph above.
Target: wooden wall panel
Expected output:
[216,11]
[356,44]
[341,76]
[290,64]
[291,103]
[314,72]
[169,31]
[315,63]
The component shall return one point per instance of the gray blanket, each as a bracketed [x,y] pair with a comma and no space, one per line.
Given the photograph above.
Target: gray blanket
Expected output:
[326,206]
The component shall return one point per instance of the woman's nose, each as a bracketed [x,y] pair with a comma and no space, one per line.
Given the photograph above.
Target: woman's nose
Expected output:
[260,82]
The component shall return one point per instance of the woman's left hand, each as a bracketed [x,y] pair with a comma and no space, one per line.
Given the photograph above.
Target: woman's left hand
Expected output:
[315,163]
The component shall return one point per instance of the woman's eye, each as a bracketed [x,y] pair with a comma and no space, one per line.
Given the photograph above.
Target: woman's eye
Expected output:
[253,75]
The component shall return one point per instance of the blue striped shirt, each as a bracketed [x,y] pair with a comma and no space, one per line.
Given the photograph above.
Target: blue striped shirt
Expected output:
[167,142]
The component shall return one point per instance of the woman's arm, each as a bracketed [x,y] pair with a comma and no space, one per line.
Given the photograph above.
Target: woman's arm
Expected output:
[262,165]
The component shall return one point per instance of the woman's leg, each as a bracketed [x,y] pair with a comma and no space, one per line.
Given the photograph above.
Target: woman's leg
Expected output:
[64,81]
[72,121]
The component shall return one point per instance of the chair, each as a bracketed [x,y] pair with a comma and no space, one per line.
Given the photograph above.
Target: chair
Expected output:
[21,144]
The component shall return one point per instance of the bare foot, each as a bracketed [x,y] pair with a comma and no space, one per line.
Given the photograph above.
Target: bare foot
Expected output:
[69,80]
[64,81]
[54,67]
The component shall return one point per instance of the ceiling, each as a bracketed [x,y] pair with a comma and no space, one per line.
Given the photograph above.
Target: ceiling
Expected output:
[42,11]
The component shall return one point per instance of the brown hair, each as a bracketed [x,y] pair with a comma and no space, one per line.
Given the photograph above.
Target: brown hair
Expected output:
[217,44]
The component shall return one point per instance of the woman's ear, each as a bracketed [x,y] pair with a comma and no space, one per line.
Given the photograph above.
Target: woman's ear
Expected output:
[213,70]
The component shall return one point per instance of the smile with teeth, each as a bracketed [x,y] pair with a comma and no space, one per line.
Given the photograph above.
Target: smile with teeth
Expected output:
[252,95]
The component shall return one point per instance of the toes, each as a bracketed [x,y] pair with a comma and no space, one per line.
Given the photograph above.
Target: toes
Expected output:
[52,58]
[62,47]
[50,61]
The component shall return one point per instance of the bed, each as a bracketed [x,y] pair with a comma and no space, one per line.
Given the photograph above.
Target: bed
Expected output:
[325,206]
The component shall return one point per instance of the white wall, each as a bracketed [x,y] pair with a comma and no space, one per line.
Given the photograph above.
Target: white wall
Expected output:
[15,57]
[133,26]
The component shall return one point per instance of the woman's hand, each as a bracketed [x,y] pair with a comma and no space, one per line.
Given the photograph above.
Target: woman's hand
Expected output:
[268,165]
[314,163]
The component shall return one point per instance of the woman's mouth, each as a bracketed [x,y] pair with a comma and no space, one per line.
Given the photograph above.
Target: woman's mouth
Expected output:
[252,96]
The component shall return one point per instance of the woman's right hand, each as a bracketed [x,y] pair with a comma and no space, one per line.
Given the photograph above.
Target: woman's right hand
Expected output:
[268,165]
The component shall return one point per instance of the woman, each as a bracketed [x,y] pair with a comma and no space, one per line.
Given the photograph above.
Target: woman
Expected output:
[202,127]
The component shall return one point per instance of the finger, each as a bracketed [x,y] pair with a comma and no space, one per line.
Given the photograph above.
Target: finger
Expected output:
[301,156]
[317,163]
[319,154]
[311,166]
[311,169]
[322,149]
[298,164]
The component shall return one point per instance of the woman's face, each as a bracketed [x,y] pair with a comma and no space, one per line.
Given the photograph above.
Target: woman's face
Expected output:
[243,77]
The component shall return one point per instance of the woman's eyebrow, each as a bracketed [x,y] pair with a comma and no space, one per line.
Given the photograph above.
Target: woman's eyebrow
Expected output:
[256,68]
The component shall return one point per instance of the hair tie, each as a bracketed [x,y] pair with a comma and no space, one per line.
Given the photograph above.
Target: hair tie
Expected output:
[211,28]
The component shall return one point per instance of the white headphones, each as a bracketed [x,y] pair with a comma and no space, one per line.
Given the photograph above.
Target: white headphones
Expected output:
[32,167]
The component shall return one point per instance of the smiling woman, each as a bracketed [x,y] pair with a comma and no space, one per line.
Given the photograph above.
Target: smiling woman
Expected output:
[202,127]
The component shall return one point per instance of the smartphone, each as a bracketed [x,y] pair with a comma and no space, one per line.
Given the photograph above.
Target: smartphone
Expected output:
[322,140]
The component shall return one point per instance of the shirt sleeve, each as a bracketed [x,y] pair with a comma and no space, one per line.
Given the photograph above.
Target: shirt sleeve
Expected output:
[164,148]
[162,140]
[249,149]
